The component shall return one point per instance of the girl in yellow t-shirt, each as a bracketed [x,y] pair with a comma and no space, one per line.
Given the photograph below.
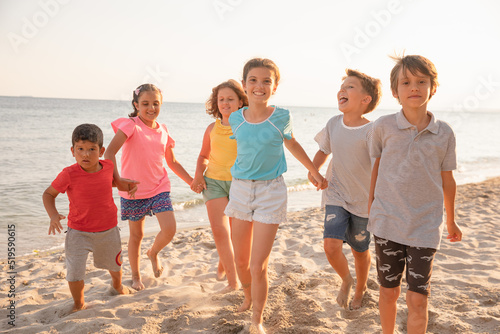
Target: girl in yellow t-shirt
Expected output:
[213,175]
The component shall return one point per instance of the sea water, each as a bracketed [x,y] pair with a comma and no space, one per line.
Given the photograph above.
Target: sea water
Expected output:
[35,141]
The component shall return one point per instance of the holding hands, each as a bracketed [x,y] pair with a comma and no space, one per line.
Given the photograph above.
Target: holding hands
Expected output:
[127,185]
[198,184]
[318,181]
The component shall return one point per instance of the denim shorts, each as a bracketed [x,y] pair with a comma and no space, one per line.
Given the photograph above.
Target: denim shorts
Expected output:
[136,209]
[261,201]
[343,225]
[215,189]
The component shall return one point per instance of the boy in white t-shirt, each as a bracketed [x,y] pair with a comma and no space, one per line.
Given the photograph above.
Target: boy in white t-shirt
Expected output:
[346,137]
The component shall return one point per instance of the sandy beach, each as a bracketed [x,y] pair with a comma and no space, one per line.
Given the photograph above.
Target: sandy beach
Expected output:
[465,293]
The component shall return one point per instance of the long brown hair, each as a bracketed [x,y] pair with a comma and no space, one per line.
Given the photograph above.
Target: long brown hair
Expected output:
[138,91]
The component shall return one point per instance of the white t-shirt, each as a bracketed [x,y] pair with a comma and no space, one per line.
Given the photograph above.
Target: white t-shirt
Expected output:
[349,171]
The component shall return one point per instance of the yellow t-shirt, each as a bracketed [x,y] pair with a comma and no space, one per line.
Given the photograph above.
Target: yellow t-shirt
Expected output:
[222,153]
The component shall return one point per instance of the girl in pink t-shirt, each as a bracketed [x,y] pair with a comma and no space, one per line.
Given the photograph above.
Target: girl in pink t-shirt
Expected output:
[145,144]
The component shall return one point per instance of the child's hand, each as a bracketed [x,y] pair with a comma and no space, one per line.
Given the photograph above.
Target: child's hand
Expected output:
[454,232]
[55,224]
[312,179]
[130,186]
[198,184]
[318,181]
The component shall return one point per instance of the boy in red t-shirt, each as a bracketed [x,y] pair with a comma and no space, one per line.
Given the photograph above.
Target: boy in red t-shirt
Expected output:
[92,219]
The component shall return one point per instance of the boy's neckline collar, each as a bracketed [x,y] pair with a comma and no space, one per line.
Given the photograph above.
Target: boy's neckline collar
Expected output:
[403,123]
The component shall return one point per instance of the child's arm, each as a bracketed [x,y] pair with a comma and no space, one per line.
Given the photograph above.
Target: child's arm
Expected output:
[298,152]
[114,146]
[449,192]
[198,183]
[49,202]
[318,161]
[373,182]
[176,166]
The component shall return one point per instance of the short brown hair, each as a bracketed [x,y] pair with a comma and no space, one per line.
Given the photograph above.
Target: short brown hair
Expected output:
[87,132]
[414,64]
[372,86]
[262,62]
[211,105]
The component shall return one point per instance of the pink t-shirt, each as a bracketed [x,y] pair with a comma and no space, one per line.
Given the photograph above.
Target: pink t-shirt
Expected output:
[91,205]
[143,154]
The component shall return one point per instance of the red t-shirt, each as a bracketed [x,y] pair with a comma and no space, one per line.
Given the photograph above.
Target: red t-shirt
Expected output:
[91,204]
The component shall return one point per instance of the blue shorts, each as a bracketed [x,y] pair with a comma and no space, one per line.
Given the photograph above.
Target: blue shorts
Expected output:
[343,225]
[136,209]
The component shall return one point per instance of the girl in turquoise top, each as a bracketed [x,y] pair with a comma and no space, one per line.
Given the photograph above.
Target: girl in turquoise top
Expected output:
[257,199]
[213,175]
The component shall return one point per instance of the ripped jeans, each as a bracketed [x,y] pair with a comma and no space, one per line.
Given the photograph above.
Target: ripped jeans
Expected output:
[343,225]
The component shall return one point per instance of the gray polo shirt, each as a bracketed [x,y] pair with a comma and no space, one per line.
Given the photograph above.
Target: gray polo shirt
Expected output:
[349,171]
[408,205]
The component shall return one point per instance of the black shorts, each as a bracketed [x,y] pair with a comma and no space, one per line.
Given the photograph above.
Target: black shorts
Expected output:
[392,258]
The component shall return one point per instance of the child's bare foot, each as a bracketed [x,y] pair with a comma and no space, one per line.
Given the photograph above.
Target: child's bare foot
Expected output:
[228,289]
[357,300]
[247,304]
[78,307]
[137,283]
[344,295]
[155,262]
[257,329]
[123,290]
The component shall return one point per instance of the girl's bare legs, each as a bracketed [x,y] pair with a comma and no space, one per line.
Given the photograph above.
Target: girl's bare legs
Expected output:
[242,244]
[263,239]
[167,223]
[134,251]
[221,230]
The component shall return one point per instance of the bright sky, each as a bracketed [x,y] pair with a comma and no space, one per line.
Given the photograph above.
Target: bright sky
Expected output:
[104,49]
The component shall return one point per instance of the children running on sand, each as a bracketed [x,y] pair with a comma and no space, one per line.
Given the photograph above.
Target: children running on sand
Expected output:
[258,194]
[347,138]
[412,176]
[213,172]
[92,218]
[145,144]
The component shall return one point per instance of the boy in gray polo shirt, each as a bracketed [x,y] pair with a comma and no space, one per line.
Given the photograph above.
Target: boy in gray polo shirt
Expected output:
[412,175]
[346,137]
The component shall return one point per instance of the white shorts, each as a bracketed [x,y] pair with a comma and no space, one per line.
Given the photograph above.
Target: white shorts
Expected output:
[261,201]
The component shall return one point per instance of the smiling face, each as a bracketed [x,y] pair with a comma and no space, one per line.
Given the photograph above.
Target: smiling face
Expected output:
[260,85]
[413,90]
[228,102]
[149,107]
[352,97]
[87,155]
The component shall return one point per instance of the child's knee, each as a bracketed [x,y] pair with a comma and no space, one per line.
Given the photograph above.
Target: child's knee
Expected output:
[389,295]
[416,301]
[332,246]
